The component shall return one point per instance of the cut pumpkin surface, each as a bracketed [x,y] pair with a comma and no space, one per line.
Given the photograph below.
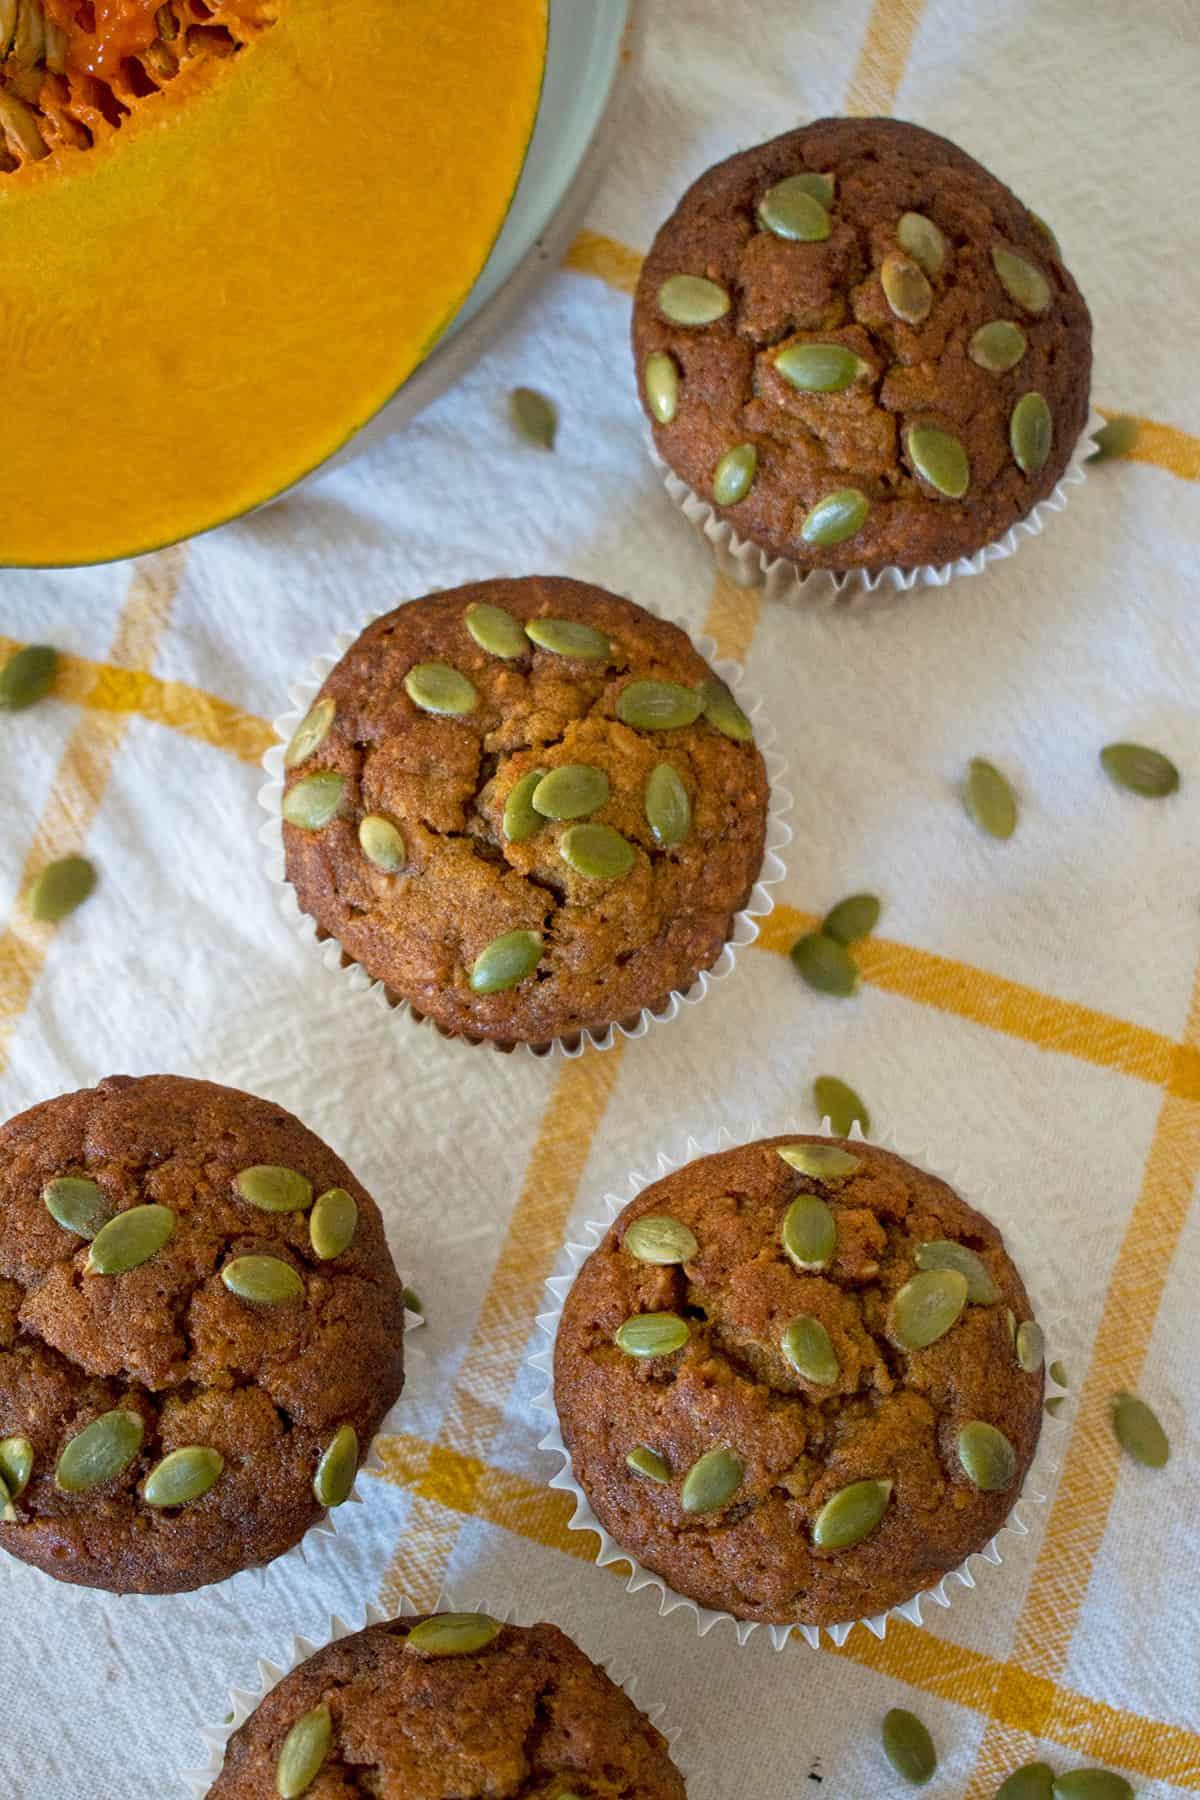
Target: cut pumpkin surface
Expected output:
[230,230]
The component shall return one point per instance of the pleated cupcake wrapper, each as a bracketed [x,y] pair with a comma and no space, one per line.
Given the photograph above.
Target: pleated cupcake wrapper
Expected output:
[340,963]
[781,579]
[1034,1491]
[327,1526]
[244,1701]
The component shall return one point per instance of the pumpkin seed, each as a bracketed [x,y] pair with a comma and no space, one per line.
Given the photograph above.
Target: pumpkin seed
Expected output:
[658,705]
[823,1162]
[668,809]
[570,637]
[809,1348]
[825,964]
[534,418]
[100,1451]
[1091,1784]
[337,1468]
[1054,1403]
[657,1238]
[645,1461]
[923,241]
[712,1482]
[314,800]
[16,1465]
[820,368]
[734,474]
[1140,769]
[908,1746]
[940,459]
[692,300]
[182,1476]
[1138,1431]
[60,888]
[495,630]
[989,799]
[436,687]
[905,287]
[851,1515]
[1010,1319]
[927,1306]
[273,1188]
[661,376]
[998,346]
[506,961]
[1058,1374]
[130,1239]
[454,1634]
[333,1223]
[943,1253]
[77,1204]
[1117,438]
[412,1302]
[791,209]
[853,918]
[262,1280]
[1030,433]
[840,1105]
[835,518]
[597,851]
[1047,233]
[1030,1346]
[809,1232]
[27,676]
[382,843]
[1032,1781]
[520,820]
[989,1460]
[722,710]
[310,733]
[304,1751]
[652,1334]
[1022,281]
[570,791]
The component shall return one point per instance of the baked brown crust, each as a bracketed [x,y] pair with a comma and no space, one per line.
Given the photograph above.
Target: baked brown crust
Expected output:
[610,947]
[893,1414]
[518,1720]
[265,1386]
[784,292]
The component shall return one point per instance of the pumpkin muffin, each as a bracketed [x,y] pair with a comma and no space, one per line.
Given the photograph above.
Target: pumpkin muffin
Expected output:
[449,1703]
[200,1331]
[861,349]
[527,807]
[799,1380]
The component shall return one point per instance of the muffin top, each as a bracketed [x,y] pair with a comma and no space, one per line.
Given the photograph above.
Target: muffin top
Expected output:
[861,348]
[449,1707]
[182,1365]
[835,1397]
[527,807]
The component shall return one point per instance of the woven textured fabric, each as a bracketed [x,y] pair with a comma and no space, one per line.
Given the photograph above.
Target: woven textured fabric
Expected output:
[1029,1013]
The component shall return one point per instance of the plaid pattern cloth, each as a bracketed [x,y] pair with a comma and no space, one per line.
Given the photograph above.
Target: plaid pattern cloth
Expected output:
[1030,1011]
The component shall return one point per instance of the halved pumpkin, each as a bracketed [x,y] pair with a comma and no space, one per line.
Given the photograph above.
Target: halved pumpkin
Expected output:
[229,230]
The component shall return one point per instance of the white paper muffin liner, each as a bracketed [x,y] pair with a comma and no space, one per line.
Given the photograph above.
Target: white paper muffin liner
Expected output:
[1037,1481]
[244,1701]
[745,923]
[326,1526]
[748,566]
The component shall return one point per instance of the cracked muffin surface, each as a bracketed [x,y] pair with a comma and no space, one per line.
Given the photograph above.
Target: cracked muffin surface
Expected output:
[442,790]
[903,373]
[166,1342]
[527,1717]
[882,1413]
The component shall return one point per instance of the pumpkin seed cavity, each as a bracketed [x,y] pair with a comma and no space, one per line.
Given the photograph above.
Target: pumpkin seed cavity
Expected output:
[130,1239]
[988,1459]
[570,792]
[819,368]
[310,734]
[183,1476]
[506,962]
[1138,1431]
[337,1468]
[941,459]
[313,801]
[100,1452]
[570,637]
[438,688]
[822,1162]
[851,1515]
[495,630]
[645,1461]
[692,300]
[825,964]
[840,1104]
[712,1482]
[454,1634]
[905,288]
[27,677]
[535,419]
[734,474]
[382,843]
[943,1253]
[658,705]
[908,1747]
[722,711]
[520,819]
[305,1749]
[661,376]
[851,919]
[835,518]
[1141,770]
[652,1334]
[262,1280]
[796,209]
[597,851]
[927,1306]
[808,1346]
[333,1223]
[657,1238]
[77,1204]
[990,799]
[809,1233]
[62,886]
[273,1188]
[668,809]
[998,346]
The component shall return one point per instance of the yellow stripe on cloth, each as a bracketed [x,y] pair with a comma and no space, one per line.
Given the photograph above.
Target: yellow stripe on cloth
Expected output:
[1007,1007]
[1165,447]
[606,259]
[104,687]
[884,56]
[80,782]
[970,1678]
